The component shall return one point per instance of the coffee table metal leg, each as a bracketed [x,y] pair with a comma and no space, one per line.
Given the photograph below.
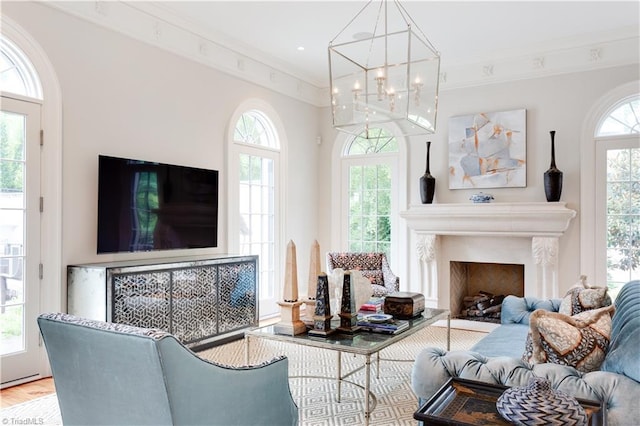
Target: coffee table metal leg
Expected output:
[449,332]
[367,385]
[339,384]
[246,350]
[378,365]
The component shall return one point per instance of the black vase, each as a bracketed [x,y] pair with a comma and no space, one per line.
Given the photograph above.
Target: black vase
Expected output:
[427,182]
[553,176]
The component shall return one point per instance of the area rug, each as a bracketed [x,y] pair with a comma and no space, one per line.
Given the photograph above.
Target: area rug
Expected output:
[315,398]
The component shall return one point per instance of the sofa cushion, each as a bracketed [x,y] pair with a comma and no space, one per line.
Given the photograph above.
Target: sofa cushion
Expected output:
[579,341]
[622,356]
[580,299]
[506,340]
[516,310]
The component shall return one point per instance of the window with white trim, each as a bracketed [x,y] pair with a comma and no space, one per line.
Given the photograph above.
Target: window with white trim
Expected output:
[257,157]
[618,222]
[370,166]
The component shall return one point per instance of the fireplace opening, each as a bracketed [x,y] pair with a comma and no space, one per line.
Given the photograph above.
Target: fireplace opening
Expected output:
[477,289]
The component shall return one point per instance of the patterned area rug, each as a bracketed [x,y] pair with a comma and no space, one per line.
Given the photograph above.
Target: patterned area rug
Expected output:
[315,397]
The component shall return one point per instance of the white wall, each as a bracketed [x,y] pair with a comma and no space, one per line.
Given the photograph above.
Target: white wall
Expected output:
[124,98]
[558,103]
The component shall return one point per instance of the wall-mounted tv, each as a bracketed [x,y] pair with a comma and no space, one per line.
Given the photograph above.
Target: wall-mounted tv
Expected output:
[144,206]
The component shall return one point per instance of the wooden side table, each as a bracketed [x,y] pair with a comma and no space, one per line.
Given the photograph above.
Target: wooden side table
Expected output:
[461,402]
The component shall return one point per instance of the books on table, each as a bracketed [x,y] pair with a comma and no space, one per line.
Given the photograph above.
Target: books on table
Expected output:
[373,305]
[391,326]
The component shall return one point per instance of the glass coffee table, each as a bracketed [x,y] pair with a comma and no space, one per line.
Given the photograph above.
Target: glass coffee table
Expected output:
[364,343]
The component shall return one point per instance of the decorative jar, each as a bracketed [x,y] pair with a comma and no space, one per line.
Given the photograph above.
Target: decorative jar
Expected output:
[481,197]
[538,404]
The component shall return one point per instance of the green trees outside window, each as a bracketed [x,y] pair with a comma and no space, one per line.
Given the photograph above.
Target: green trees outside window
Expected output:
[370,186]
[623,216]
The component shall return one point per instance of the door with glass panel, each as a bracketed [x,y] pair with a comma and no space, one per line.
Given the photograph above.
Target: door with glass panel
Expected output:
[622,211]
[257,223]
[618,191]
[368,197]
[257,146]
[19,238]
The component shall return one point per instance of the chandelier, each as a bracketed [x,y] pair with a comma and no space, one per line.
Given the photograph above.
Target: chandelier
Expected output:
[382,69]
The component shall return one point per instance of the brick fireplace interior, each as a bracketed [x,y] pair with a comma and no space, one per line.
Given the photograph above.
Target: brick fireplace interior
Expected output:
[472,279]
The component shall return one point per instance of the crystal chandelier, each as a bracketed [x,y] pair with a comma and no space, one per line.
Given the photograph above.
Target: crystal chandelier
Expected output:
[389,73]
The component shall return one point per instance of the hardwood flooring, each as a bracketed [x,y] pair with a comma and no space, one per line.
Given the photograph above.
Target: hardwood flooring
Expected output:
[26,392]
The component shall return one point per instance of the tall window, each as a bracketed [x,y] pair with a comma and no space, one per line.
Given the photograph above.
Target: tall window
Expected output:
[618,149]
[370,169]
[20,218]
[257,156]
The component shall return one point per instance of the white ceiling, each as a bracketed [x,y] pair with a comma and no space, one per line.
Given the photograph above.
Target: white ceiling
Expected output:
[464,32]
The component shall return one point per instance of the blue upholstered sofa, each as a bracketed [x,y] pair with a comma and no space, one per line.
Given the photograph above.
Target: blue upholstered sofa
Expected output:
[498,359]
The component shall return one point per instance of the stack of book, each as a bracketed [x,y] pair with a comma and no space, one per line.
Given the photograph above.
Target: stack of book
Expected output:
[392,326]
[373,305]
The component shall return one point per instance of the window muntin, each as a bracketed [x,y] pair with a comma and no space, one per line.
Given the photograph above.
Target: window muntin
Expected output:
[623,216]
[17,74]
[619,223]
[379,140]
[369,185]
[257,161]
[624,119]
[254,128]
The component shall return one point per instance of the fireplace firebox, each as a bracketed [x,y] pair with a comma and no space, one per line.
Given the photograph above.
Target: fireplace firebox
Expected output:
[478,288]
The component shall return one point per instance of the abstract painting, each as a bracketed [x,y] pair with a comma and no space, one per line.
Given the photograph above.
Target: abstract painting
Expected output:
[488,150]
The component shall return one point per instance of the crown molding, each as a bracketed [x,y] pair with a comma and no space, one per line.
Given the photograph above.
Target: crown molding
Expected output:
[158,27]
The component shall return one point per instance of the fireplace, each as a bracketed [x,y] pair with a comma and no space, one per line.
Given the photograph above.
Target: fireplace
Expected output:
[477,288]
[524,234]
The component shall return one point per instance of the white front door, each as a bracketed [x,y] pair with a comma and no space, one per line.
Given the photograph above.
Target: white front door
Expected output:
[19,239]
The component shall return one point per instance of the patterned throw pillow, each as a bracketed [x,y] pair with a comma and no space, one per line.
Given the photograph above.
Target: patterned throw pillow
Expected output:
[579,341]
[581,299]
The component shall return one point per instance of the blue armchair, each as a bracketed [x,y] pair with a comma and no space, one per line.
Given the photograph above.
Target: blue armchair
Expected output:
[116,374]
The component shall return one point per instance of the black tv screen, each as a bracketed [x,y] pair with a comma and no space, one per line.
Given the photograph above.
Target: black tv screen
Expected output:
[144,206]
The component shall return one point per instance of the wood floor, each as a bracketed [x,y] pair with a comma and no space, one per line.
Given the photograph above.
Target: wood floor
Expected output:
[23,393]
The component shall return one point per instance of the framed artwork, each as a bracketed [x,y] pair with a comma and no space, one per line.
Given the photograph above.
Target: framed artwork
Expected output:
[488,150]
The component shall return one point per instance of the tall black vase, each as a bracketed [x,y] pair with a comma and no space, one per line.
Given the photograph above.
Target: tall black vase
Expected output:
[427,182]
[553,176]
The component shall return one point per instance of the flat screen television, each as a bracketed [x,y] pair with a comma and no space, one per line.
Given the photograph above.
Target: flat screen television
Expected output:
[145,206]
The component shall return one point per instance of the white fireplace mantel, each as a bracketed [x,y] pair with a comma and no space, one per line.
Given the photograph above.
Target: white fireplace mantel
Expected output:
[506,219]
[525,233]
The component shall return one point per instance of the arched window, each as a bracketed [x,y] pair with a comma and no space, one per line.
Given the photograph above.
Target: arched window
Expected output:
[255,128]
[370,176]
[624,119]
[254,194]
[17,74]
[617,142]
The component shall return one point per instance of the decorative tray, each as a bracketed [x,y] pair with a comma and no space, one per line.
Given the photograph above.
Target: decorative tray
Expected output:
[461,402]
